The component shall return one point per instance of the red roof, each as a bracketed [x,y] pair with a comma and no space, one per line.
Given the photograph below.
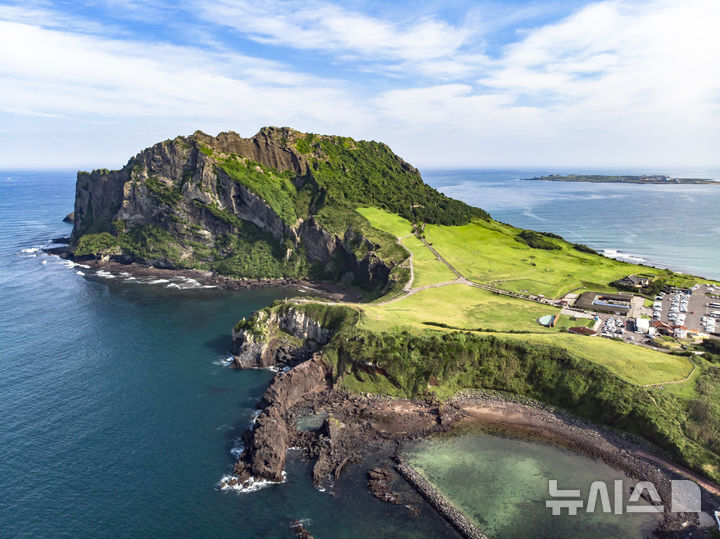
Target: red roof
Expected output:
[580,330]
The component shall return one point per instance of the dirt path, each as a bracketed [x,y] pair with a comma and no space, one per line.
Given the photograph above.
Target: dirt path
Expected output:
[674,381]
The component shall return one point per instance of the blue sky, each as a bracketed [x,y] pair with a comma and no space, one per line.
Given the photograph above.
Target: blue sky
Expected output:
[459,83]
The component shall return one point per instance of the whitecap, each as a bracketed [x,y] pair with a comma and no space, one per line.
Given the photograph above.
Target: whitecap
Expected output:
[624,257]
[528,212]
[209,286]
[251,485]
[173,285]
[30,250]
[237,448]
[82,266]
[44,262]
[69,263]
[105,274]
[80,273]
[224,362]
[130,279]
[189,282]
[124,274]
[158,281]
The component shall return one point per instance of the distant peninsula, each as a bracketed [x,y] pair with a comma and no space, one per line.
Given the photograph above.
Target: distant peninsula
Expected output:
[599,178]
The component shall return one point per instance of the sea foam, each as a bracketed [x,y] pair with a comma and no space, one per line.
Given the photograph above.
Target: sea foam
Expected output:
[251,485]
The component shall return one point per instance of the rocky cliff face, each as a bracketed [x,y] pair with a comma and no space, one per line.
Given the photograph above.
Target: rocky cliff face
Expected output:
[267,442]
[243,207]
[278,338]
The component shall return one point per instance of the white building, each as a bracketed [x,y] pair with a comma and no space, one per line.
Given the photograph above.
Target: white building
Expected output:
[642,325]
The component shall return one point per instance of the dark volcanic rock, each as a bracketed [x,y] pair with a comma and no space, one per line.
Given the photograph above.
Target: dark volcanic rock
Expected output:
[267,443]
[286,389]
[300,530]
[379,480]
[69,218]
[180,187]
[268,447]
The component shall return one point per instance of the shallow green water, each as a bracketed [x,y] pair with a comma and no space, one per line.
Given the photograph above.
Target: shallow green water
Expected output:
[501,484]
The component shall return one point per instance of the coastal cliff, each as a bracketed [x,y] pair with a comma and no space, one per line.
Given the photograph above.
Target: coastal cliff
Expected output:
[280,204]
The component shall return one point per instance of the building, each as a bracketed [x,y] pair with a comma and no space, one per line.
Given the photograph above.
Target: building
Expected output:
[605,303]
[634,281]
[662,328]
[680,332]
[642,325]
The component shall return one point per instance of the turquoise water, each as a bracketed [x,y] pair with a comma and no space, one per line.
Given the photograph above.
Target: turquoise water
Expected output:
[501,484]
[676,226]
[117,415]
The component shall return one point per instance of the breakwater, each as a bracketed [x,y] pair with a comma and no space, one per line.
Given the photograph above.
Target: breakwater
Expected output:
[447,510]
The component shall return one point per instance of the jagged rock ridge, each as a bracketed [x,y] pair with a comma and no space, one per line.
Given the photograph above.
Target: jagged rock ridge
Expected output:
[278,204]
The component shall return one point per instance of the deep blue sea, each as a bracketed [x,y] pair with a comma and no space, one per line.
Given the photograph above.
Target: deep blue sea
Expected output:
[118,416]
[676,226]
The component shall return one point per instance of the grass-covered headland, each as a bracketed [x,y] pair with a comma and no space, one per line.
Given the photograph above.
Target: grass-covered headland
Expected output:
[453,296]
[446,336]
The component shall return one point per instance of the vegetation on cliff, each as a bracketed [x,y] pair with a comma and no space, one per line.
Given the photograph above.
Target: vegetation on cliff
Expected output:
[288,204]
[281,204]
[446,337]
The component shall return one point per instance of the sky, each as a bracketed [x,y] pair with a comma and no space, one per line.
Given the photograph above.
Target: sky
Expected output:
[513,83]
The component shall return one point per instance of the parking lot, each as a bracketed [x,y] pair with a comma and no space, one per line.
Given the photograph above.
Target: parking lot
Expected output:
[688,309]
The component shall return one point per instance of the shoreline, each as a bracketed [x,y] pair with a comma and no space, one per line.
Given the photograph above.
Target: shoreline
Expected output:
[519,417]
[328,290]
[360,426]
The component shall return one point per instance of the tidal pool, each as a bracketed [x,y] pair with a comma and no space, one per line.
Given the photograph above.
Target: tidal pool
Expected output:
[500,482]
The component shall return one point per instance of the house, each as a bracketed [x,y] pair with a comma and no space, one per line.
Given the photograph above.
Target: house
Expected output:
[680,332]
[634,281]
[662,327]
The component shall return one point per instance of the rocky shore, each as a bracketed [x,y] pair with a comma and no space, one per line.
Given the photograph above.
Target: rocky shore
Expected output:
[303,409]
[117,265]
[355,426]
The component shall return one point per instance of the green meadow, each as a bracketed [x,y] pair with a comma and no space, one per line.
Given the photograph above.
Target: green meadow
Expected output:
[487,252]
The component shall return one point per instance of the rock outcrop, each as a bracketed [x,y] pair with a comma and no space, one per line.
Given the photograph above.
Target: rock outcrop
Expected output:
[267,443]
[243,207]
[277,338]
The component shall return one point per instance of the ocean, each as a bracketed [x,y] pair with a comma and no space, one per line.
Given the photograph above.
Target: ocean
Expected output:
[675,226]
[118,415]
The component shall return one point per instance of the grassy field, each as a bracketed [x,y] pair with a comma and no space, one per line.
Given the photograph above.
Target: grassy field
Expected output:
[488,253]
[472,308]
[389,222]
[458,306]
[428,269]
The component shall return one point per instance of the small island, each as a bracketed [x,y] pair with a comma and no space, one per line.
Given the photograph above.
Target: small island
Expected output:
[659,179]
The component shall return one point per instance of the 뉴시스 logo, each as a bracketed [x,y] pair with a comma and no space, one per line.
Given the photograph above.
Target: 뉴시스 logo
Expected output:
[685,498]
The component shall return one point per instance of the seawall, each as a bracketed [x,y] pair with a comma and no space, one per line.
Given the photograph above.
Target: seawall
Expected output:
[447,510]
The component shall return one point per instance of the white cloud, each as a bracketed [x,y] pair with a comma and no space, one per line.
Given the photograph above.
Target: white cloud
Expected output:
[616,83]
[425,45]
[80,75]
